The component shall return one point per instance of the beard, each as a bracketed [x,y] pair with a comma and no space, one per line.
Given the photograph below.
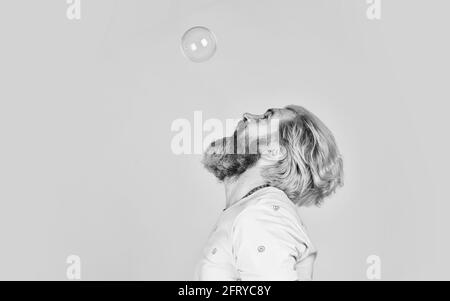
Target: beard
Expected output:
[223,160]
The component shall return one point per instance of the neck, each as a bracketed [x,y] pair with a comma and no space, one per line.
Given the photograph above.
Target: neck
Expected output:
[236,188]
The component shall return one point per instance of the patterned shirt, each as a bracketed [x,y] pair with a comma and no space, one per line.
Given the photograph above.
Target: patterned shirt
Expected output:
[260,237]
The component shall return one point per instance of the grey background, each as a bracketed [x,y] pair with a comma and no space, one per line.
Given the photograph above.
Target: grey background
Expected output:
[86,109]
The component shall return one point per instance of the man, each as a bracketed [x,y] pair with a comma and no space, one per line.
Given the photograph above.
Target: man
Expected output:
[271,165]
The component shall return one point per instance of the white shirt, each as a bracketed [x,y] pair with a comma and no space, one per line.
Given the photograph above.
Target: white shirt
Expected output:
[260,237]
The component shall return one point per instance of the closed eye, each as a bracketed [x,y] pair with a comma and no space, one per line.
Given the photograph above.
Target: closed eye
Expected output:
[268,113]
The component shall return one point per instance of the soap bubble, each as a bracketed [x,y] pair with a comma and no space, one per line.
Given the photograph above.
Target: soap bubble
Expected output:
[198,44]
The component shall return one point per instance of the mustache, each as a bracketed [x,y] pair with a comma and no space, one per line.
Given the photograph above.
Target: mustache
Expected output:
[224,145]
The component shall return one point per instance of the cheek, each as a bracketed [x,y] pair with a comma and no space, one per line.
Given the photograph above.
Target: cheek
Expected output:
[253,130]
[264,129]
[261,130]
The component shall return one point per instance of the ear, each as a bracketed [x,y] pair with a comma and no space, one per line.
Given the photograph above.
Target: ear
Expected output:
[273,152]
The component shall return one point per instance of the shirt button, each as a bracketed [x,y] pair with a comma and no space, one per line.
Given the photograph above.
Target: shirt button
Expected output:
[275,207]
[261,249]
[214,251]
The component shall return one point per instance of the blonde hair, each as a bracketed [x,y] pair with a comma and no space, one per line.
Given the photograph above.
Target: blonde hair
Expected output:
[312,168]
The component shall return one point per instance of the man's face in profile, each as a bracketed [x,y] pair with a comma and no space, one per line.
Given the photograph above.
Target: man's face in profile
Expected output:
[231,156]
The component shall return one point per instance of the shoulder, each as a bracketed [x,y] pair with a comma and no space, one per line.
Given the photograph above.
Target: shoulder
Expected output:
[271,219]
[272,207]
